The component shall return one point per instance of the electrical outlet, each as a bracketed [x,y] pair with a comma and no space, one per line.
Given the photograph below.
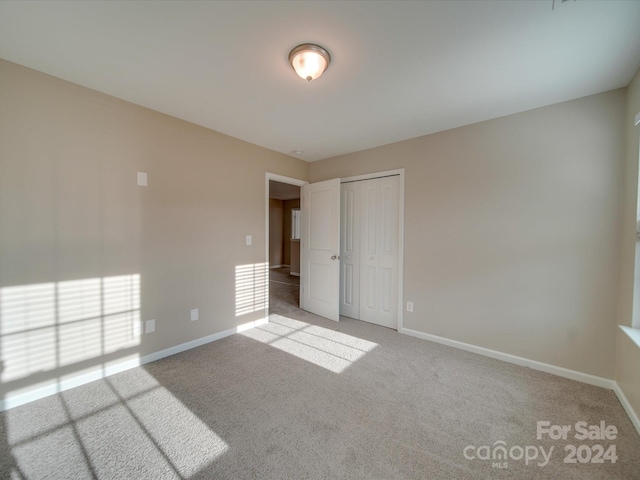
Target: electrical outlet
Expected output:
[195,314]
[249,240]
[409,306]
[149,326]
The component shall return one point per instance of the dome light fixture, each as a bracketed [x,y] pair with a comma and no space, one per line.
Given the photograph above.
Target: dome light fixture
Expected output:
[309,60]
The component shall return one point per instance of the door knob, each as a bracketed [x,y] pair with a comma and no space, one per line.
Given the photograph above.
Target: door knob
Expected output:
[334,257]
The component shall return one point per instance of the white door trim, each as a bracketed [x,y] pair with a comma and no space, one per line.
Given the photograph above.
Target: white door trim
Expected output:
[387,173]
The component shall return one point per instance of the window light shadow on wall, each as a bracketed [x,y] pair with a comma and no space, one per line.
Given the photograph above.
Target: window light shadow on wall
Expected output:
[252,293]
[50,325]
[335,351]
[164,438]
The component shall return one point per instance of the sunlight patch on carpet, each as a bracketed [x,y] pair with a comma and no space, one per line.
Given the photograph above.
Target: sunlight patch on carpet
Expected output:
[124,424]
[329,349]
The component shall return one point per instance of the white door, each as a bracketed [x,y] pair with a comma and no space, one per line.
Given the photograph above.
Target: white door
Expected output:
[320,249]
[369,284]
[370,250]
[387,253]
[350,249]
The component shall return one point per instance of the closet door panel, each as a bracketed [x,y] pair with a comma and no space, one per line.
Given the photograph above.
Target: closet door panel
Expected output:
[368,291]
[370,217]
[387,237]
[369,285]
[350,250]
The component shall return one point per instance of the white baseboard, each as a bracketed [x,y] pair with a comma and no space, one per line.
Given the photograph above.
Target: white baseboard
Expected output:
[271,267]
[12,401]
[525,362]
[633,416]
[294,274]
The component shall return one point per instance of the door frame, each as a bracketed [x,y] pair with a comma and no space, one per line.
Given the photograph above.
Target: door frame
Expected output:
[388,173]
[282,179]
[366,176]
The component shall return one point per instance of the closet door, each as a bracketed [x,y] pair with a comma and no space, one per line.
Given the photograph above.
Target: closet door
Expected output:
[388,238]
[350,250]
[369,250]
[379,251]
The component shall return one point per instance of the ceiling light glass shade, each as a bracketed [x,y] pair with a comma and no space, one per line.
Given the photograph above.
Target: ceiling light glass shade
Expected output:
[309,61]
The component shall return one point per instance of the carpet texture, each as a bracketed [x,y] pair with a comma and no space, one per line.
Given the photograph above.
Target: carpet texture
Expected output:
[304,397]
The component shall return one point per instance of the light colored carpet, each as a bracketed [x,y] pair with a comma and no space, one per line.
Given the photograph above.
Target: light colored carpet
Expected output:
[284,289]
[303,397]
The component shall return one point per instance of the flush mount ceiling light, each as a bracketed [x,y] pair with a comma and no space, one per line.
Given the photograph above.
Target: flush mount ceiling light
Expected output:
[309,60]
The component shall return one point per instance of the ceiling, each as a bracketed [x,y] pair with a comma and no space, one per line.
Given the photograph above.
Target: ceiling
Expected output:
[399,69]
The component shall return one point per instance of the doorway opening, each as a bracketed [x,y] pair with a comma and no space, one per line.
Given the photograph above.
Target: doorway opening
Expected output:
[283,243]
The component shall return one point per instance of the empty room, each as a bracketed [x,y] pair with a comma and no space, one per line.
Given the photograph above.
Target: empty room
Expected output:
[319,239]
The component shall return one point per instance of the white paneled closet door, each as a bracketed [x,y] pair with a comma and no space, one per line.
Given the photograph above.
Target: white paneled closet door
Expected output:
[369,250]
[350,249]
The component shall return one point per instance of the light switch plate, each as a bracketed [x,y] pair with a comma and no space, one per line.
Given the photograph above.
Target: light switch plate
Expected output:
[249,240]
[149,326]
[195,315]
[142,179]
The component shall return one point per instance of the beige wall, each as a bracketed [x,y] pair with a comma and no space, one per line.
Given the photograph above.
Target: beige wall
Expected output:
[289,205]
[276,228]
[512,230]
[628,353]
[74,222]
